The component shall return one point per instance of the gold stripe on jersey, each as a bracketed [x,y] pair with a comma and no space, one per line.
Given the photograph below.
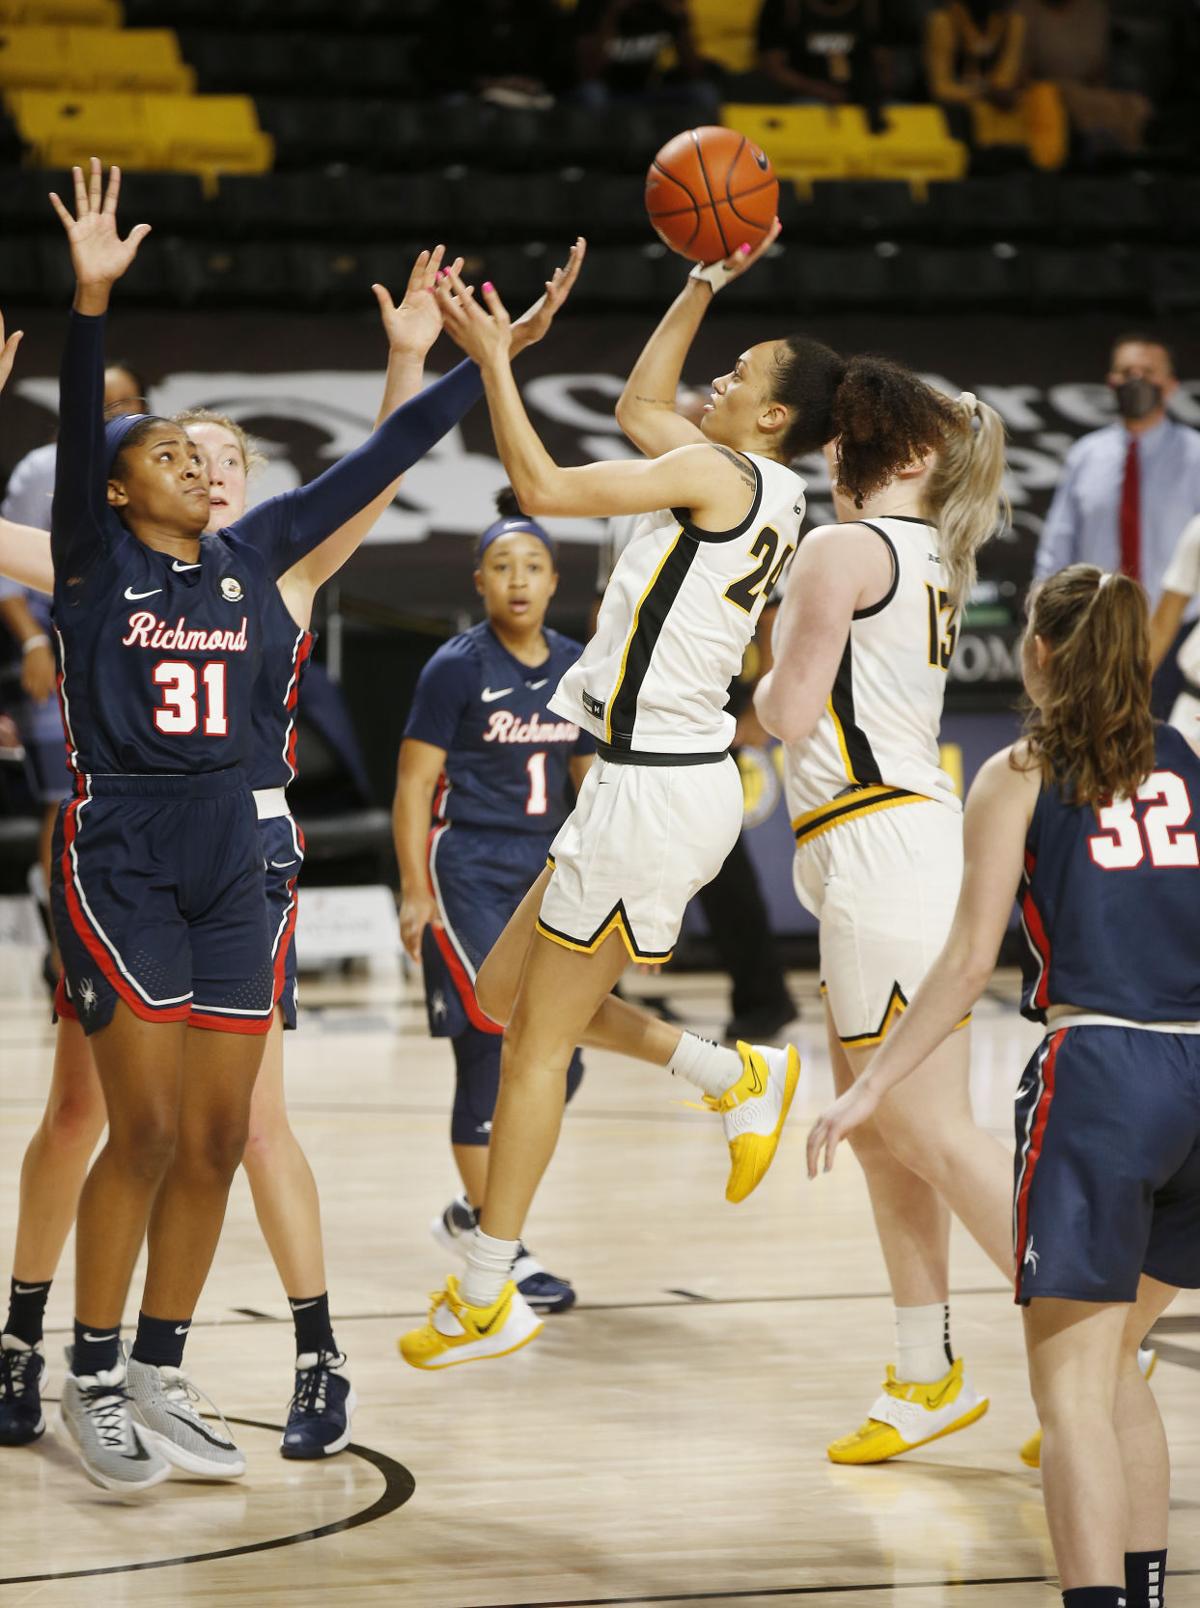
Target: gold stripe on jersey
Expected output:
[632,634]
[841,740]
[894,1009]
[618,921]
[850,806]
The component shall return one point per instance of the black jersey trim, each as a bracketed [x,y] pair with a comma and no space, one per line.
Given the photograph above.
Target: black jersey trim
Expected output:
[699,534]
[632,756]
[649,618]
[878,608]
[856,750]
[858,802]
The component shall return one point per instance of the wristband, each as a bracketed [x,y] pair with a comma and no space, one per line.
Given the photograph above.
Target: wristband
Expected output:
[39,641]
[714,274]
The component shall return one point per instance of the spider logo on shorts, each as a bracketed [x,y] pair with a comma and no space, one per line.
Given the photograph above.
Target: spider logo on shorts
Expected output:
[231,589]
[438,1006]
[87,993]
[1031,1256]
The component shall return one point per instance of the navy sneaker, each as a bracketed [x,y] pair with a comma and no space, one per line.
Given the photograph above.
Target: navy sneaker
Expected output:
[320,1410]
[21,1370]
[545,1292]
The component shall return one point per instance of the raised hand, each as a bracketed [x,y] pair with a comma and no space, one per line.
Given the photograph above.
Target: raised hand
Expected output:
[719,274]
[412,328]
[98,254]
[483,335]
[854,1108]
[536,320]
[8,351]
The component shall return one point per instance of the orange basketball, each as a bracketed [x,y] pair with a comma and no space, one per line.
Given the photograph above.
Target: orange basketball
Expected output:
[709,191]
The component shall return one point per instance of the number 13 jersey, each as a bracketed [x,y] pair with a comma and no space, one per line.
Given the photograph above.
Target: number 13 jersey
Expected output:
[677,616]
[880,726]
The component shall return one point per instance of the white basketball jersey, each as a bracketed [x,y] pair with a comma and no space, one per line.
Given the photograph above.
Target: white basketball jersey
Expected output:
[675,622]
[876,744]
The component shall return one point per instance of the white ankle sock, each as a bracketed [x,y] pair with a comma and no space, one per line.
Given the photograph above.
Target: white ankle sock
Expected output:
[709,1066]
[923,1343]
[489,1264]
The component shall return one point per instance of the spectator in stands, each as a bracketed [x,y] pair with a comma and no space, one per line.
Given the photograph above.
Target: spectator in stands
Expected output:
[822,50]
[640,50]
[1067,44]
[973,54]
[26,617]
[1127,491]
[509,52]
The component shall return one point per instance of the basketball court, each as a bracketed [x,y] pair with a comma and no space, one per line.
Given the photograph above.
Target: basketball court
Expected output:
[662,1443]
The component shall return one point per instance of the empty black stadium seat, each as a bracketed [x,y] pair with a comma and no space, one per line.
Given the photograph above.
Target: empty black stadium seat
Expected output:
[864,209]
[1175,281]
[416,206]
[1099,277]
[221,273]
[826,278]
[20,269]
[930,278]
[1105,209]
[1009,207]
[311,134]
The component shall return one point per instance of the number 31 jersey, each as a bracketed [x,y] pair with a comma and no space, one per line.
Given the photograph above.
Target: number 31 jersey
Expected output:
[1110,901]
[678,615]
[881,724]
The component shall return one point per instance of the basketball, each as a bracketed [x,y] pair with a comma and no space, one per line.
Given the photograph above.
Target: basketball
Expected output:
[709,191]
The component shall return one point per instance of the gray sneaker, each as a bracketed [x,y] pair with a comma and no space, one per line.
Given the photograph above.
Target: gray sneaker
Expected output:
[95,1412]
[165,1404]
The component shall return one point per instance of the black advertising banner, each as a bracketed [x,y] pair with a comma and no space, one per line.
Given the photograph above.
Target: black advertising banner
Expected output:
[308,387]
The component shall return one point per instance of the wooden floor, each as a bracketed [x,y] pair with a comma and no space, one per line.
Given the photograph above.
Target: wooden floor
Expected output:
[663,1443]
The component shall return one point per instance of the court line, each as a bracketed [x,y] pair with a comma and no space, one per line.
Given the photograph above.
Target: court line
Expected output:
[398,1486]
[791,1591]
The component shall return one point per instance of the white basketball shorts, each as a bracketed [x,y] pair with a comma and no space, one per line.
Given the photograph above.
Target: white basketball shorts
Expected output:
[641,840]
[883,883]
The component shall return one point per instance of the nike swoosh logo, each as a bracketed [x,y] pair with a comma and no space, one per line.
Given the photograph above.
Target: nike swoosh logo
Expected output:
[489,696]
[182,1328]
[486,1328]
[936,1401]
[302,1306]
[282,865]
[199,1429]
[535,685]
[89,1336]
[179,568]
[27,1289]
[131,596]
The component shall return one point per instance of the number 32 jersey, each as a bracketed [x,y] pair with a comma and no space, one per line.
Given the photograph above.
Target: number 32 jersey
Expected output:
[1110,900]
[678,615]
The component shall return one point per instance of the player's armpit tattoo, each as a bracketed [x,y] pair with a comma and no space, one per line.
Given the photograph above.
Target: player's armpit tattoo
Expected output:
[743,468]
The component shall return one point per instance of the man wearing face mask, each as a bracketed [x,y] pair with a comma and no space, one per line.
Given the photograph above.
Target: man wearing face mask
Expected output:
[1127,491]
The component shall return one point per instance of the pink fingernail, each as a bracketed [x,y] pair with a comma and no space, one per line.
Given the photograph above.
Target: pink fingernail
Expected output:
[744,249]
[487,285]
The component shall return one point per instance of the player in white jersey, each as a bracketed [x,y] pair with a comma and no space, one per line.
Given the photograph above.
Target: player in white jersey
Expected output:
[862,645]
[662,806]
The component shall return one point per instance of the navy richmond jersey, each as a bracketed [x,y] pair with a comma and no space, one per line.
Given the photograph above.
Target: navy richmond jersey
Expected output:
[160,656]
[506,754]
[287,648]
[1110,901]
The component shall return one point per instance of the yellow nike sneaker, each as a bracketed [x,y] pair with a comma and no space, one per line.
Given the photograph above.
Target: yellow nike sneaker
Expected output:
[1031,1452]
[908,1415]
[455,1332]
[754,1111]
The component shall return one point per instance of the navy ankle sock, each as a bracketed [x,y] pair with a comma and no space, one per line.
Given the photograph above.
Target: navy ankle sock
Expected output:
[1145,1578]
[26,1310]
[96,1350]
[1095,1597]
[314,1330]
[160,1341]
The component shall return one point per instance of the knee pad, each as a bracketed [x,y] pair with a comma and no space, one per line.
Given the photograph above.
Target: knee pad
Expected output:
[476,1084]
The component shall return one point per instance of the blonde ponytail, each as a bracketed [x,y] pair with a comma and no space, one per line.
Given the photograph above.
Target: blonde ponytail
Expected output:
[964,495]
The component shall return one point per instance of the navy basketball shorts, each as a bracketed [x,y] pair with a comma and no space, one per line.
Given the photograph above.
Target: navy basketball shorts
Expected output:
[157,901]
[41,728]
[281,844]
[1107,1169]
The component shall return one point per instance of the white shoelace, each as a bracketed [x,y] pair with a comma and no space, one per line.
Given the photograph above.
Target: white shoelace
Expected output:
[108,1411]
[181,1392]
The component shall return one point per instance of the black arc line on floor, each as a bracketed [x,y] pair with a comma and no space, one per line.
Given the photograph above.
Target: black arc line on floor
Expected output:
[398,1486]
[765,1592]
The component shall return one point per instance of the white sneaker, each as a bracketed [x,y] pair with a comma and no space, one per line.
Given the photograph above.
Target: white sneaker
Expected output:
[753,1112]
[166,1404]
[96,1413]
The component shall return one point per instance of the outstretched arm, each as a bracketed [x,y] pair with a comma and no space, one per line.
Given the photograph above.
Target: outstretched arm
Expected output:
[646,407]
[25,556]
[999,810]
[717,485]
[838,569]
[99,257]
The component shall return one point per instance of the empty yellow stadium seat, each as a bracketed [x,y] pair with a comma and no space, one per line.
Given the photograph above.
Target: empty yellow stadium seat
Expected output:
[34,58]
[62,13]
[724,31]
[207,134]
[915,144]
[64,129]
[803,142]
[145,59]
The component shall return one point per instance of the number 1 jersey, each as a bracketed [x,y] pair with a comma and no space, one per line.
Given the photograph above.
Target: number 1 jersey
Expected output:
[1110,901]
[678,615]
